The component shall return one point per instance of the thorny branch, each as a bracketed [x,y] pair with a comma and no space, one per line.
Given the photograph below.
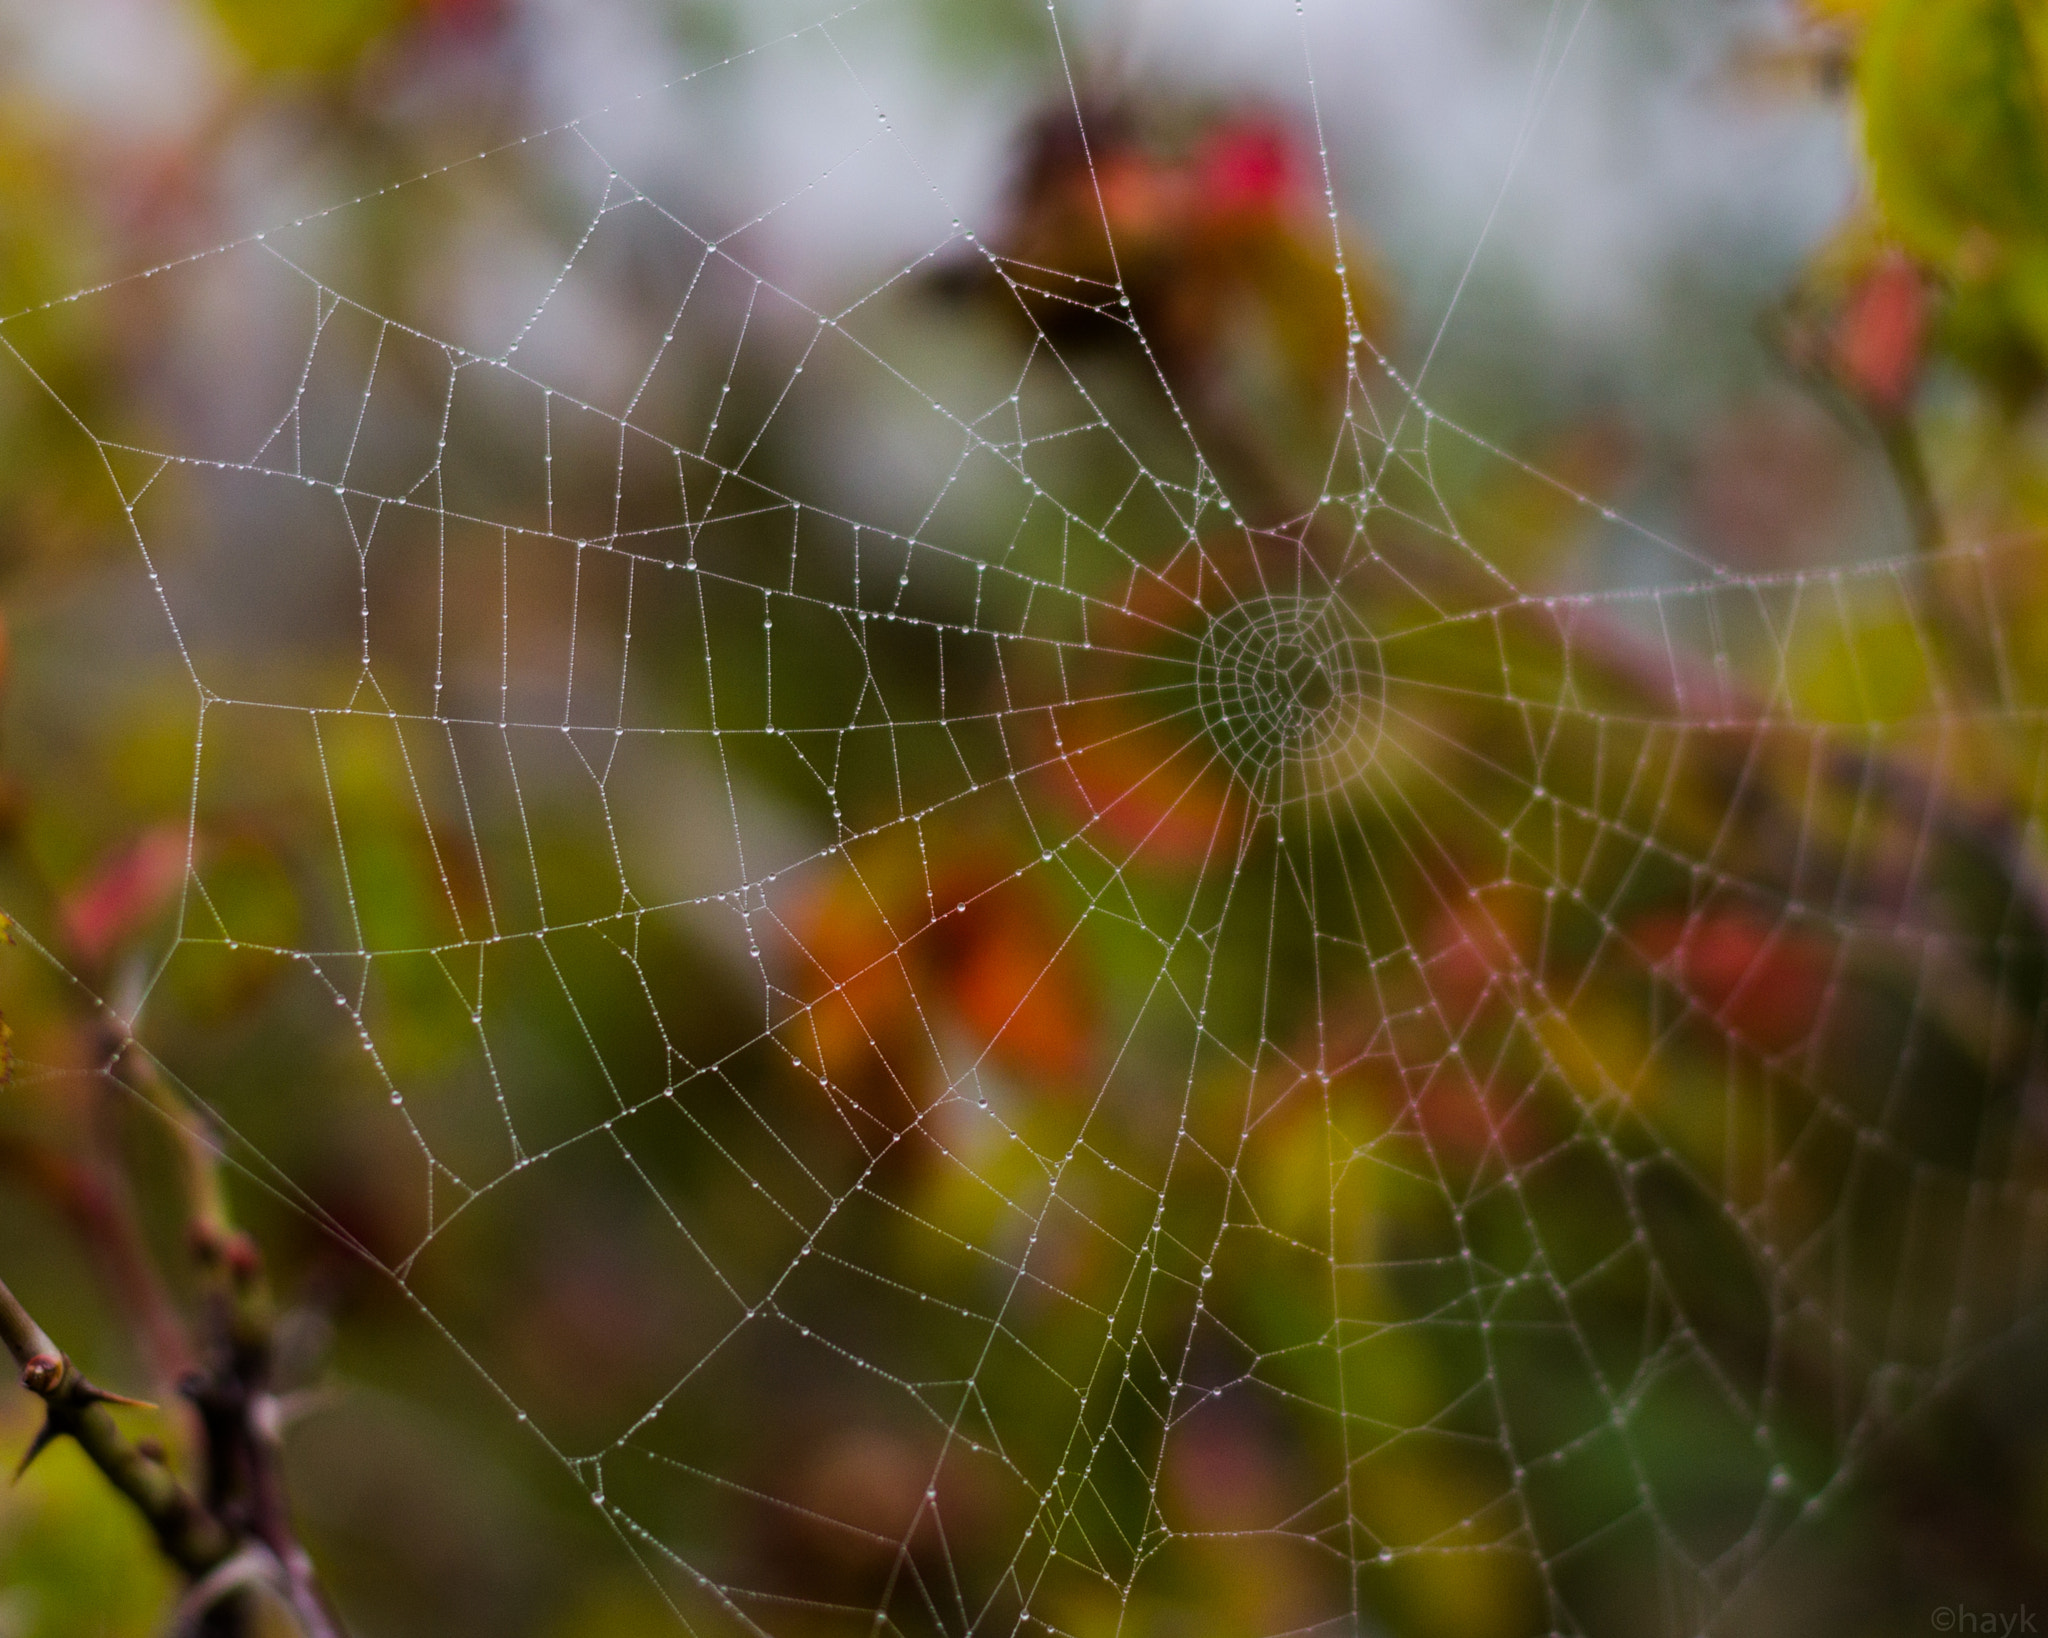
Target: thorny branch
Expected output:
[190,1536]
[236,1536]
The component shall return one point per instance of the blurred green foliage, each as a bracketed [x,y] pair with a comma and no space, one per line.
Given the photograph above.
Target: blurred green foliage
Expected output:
[74,1558]
[1957,127]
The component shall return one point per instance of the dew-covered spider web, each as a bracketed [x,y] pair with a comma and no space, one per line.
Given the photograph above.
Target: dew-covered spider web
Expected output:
[1168,1040]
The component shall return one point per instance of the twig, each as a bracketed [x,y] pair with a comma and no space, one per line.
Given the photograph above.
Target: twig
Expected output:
[243,1518]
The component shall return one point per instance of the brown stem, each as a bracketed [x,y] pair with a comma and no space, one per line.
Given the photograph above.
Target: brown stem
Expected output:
[239,1410]
[25,1339]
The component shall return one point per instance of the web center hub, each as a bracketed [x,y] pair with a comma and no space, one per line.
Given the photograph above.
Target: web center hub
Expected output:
[1292,692]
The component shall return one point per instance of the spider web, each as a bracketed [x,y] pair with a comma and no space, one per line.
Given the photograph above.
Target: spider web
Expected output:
[1284,1077]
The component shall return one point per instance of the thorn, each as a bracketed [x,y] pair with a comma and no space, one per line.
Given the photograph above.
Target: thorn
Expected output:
[46,1435]
[100,1396]
[45,1375]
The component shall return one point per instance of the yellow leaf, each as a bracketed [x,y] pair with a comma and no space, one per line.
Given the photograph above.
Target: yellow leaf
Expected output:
[308,36]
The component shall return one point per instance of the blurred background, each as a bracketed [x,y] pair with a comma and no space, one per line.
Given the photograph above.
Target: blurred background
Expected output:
[656,650]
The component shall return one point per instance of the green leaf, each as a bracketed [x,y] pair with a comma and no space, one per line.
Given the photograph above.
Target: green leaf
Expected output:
[1955,126]
[75,1561]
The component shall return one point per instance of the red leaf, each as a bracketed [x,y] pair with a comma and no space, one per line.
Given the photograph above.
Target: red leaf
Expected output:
[127,891]
[1879,338]
[1760,980]
[1248,166]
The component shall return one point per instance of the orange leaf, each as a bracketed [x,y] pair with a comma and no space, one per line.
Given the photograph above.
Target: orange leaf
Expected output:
[1014,988]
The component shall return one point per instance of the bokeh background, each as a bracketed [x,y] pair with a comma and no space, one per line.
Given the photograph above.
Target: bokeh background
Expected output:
[1699,964]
